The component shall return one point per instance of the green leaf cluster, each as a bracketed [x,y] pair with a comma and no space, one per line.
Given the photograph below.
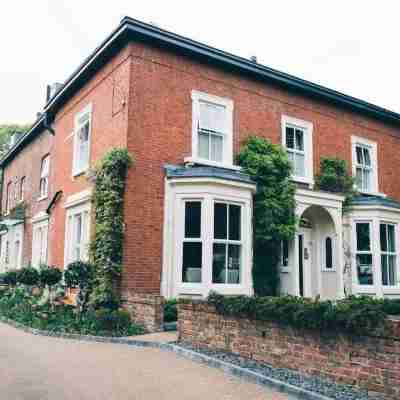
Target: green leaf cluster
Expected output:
[274,216]
[107,245]
[334,177]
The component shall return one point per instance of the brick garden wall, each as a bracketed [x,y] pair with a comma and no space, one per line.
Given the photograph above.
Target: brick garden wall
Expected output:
[368,362]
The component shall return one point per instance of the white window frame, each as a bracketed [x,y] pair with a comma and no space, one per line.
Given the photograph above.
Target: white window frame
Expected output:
[83,209]
[375,283]
[373,147]
[22,188]
[227,147]
[44,177]
[40,250]
[307,127]
[14,234]
[9,197]
[227,241]
[389,253]
[78,169]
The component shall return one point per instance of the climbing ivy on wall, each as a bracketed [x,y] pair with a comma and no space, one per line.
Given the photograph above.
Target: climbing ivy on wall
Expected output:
[334,177]
[274,216]
[107,245]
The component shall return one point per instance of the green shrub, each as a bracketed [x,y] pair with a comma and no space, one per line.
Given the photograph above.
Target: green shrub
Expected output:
[170,311]
[356,315]
[391,307]
[49,276]
[10,277]
[28,276]
[112,321]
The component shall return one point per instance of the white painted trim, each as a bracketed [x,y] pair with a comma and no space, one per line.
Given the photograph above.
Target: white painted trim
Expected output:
[308,127]
[35,256]
[78,198]
[374,160]
[215,181]
[227,151]
[201,161]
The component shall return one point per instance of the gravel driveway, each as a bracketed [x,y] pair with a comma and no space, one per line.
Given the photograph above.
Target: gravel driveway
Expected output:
[41,368]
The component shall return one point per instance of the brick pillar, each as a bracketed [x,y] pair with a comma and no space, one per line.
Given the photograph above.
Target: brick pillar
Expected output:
[146,310]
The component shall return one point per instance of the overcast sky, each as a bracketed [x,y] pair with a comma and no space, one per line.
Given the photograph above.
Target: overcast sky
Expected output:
[350,46]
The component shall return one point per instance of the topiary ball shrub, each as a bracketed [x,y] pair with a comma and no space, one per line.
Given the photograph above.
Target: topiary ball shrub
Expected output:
[170,311]
[50,276]
[28,276]
[10,277]
[79,274]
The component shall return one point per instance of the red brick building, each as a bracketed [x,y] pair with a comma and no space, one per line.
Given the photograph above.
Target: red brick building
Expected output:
[182,109]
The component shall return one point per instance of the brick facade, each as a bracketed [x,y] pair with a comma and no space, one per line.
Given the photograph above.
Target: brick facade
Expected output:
[369,362]
[28,164]
[141,99]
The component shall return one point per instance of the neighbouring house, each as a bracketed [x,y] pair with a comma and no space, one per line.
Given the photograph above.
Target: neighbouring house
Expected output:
[182,109]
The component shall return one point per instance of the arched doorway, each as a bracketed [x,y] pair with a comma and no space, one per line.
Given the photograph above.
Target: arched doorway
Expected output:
[317,254]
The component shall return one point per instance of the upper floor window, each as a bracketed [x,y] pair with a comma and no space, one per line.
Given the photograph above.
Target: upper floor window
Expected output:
[16,191]
[297,139]
[364,156]
[8,197]
[82,141]
[44,177]
[212,129]
[22,188]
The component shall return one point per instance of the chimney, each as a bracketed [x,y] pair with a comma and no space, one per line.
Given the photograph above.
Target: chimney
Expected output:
[253,59]
[51,90]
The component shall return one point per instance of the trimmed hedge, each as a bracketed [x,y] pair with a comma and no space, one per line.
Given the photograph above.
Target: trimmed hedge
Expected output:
[354,315]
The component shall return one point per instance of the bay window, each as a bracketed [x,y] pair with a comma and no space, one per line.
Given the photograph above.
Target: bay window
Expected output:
[364,257]
[388,254]
[192,259]
[226,243]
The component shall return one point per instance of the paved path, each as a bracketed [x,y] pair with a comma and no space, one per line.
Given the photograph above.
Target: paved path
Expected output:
[42,368]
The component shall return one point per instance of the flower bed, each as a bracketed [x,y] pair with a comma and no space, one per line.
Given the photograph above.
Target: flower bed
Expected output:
[19,305]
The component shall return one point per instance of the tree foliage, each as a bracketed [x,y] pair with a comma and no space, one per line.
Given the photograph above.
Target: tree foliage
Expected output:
[6,130]
[274,216]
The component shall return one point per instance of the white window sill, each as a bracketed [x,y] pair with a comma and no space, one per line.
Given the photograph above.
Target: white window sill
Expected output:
[367,193]
[285,270]
[201,161]
[328,269]
[42,198]
[75,174]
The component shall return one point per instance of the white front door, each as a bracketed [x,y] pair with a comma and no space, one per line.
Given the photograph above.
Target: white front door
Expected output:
[304,262]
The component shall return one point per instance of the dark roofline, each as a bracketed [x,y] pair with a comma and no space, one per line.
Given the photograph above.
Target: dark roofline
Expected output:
[131,29]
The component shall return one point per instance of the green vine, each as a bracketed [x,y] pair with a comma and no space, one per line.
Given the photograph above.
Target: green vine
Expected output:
[334,177]
[107,245]
[274,216]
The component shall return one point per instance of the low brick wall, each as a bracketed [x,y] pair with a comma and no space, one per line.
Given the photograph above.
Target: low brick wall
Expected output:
[371,363]
[146,310]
